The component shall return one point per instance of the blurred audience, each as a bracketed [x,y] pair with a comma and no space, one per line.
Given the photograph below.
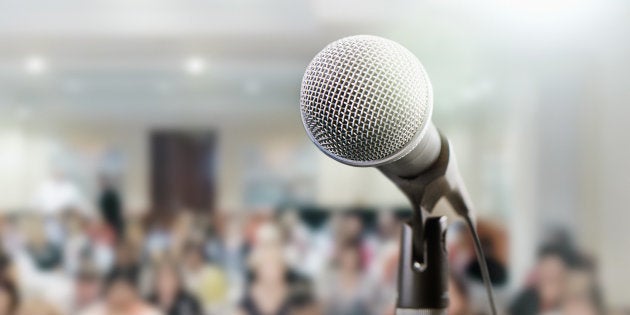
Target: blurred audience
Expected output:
[257,262]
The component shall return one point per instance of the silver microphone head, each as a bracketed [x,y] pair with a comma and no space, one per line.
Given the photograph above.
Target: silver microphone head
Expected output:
[366,101]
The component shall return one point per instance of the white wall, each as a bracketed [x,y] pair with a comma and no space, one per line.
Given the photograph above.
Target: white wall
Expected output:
[29,153]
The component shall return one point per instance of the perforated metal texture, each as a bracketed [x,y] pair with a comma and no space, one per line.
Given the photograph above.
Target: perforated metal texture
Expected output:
[364,98]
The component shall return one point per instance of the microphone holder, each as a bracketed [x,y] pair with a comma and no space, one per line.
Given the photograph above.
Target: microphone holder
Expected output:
[423,266]
[423,288]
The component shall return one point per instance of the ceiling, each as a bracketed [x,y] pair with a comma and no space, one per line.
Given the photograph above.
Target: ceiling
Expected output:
[115,60]
[130,60]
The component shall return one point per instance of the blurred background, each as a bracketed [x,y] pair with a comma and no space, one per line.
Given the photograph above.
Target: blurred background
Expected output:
[153,160]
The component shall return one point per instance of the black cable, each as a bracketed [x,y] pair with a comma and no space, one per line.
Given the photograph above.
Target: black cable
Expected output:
[481,258]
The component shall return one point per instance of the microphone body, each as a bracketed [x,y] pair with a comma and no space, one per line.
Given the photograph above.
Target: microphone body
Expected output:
[420,158]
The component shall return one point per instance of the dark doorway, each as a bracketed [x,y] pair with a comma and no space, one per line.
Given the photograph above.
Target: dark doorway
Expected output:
[182,171]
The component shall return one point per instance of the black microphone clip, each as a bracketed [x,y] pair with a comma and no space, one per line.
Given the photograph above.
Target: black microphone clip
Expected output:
[423,286]
[423,266]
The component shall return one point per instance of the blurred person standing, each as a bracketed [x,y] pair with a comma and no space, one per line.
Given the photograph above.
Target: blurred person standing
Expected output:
[122,296]
[169,293]
[273,289]
[111,206]
[9,297]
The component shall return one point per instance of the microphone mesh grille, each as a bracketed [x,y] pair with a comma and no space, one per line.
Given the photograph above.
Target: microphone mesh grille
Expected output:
[364,98]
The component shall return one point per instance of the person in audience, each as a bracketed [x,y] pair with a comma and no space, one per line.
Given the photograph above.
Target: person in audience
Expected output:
[8,271]
[297,240]
[45,255]
[225,247]
[273,288]
[306,305]
[384,268]
[102,243]
[459,297]
[182,230]
[158,238]
[546,292]
[76,241]
[576,305]
[582,295]
[126,256]
[205,280]
[87,287]
[169,293]
[351,229]
[122,296]
[348,291]
[9,297]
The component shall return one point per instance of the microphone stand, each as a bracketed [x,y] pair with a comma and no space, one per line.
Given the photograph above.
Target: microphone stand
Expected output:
[423,286]
[423,266]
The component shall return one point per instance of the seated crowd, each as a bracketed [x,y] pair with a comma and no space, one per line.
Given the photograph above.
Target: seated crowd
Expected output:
[253,263]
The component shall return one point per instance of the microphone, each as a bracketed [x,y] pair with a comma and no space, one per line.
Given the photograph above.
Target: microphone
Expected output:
[367,101]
